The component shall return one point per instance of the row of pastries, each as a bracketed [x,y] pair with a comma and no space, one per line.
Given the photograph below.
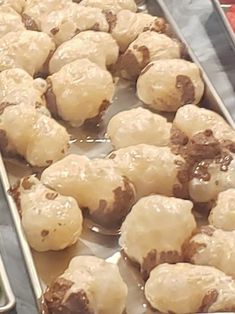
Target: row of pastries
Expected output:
[157,227]
[59,60]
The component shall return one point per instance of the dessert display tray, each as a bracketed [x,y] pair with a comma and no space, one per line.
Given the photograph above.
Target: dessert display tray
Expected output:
[45,267]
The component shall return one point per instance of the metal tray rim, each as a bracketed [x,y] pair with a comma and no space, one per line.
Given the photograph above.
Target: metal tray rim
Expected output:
[218,8]
[10,298]
[28,259]
[36,285]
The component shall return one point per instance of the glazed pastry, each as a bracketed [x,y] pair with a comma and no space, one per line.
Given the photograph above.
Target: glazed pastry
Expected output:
[138,126]
[149,46]
[209,166]
[17,5]
[166,85]
[18,87]
[113,5]
[10,20]
[222,215]
[207,143]
[80,92]
[36,10]
[185,288]
[17,49]
[89,285]
[206,185]
[50,221]
[98,47]
[112,194]
[64,24]
[212,247]
[126,26]
[36,137]
[153,170]
[191,120]
[155,231]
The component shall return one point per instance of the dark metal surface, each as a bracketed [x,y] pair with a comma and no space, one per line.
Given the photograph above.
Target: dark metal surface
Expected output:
[224,21]
[7,298]
[14,263]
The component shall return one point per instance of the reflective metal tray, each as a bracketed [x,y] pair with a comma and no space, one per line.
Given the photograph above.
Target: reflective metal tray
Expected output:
[7,299]
[220,10]
[44,267]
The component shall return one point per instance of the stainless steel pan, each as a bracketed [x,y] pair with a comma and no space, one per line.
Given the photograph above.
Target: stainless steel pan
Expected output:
[220,10]
[7,298]
[44,267]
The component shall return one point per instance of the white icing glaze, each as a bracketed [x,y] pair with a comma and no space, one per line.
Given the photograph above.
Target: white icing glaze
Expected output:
[10,20]
[191,120]
[223,214]
[138,126]
[17,5]
[98,47]
[181,288]
[81,88]
[158,46]
[205,191]
[215,248]
[28,50]
[50,221]
[37,137]
[77,176]
[151,169]
[129,25]
[157,223]
[71,20]
[38,9]
[100,280]
[114,5]
[157,86]
[18,87]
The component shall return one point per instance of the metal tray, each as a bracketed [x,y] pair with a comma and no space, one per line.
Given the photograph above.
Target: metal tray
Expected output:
[7,298]
[44,267]
[220,10]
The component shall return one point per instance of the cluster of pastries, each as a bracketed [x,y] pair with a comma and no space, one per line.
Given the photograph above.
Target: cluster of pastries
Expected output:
[60,60]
